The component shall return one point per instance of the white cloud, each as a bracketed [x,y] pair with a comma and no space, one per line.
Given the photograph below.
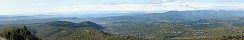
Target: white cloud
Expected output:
[230,0]
[80,8]
[162,5]
[85,8]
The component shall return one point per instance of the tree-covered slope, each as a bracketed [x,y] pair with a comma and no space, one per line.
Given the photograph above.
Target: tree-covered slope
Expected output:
[180,16]
[18,34]
[64,30]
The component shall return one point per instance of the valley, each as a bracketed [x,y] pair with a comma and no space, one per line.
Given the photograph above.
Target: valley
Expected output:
[171,25]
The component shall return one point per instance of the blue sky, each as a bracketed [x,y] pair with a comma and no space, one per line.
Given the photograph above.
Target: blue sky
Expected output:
[11,7]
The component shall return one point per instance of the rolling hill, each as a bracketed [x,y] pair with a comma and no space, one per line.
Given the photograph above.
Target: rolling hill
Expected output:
[64,30]
[171,25]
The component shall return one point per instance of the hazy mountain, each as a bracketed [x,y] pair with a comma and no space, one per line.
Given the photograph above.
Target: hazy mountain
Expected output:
[177,24]
[91,24]
[71,24]
[42,18]
[195,24]
[180,16]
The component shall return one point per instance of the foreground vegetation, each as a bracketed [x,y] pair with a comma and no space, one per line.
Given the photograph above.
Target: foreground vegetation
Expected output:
[18,34]
[172,25]
[62,30]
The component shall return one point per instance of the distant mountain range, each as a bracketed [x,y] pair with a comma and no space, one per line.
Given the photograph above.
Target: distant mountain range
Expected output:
[200,24]
[181,16]
[71,24]
[167,16]
[176,24]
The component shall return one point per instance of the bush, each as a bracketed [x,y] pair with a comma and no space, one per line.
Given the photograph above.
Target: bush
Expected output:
[18,34]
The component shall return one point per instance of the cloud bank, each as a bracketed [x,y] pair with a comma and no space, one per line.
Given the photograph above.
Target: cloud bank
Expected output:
[148,6]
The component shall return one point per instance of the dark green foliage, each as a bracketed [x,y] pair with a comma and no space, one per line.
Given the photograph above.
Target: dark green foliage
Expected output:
[238,37]
[90,24]
[62,32]
[175,25]
[71,24]
[122,38]
[18,34]
[80,31]
[61,23]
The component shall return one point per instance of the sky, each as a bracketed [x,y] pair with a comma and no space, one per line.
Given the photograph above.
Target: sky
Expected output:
[15,7]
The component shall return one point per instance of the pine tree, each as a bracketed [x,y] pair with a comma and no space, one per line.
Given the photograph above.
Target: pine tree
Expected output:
[19,34]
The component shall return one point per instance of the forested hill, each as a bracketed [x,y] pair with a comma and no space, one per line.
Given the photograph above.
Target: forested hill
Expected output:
[64,30]
[178,24]
[181,16]
[71,24]
[196,24]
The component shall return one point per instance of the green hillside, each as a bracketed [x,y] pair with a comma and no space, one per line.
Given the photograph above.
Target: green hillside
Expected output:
[62,30]
[18,34]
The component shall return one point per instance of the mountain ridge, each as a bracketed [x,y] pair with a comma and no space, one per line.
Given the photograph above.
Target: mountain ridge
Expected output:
[71,24]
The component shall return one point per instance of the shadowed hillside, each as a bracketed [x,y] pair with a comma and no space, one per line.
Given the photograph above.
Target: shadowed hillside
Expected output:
[171,25]
[18,34]
[64,30]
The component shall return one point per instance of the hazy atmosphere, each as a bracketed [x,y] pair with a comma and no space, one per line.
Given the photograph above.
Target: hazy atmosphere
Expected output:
[13,7]
[121,20]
